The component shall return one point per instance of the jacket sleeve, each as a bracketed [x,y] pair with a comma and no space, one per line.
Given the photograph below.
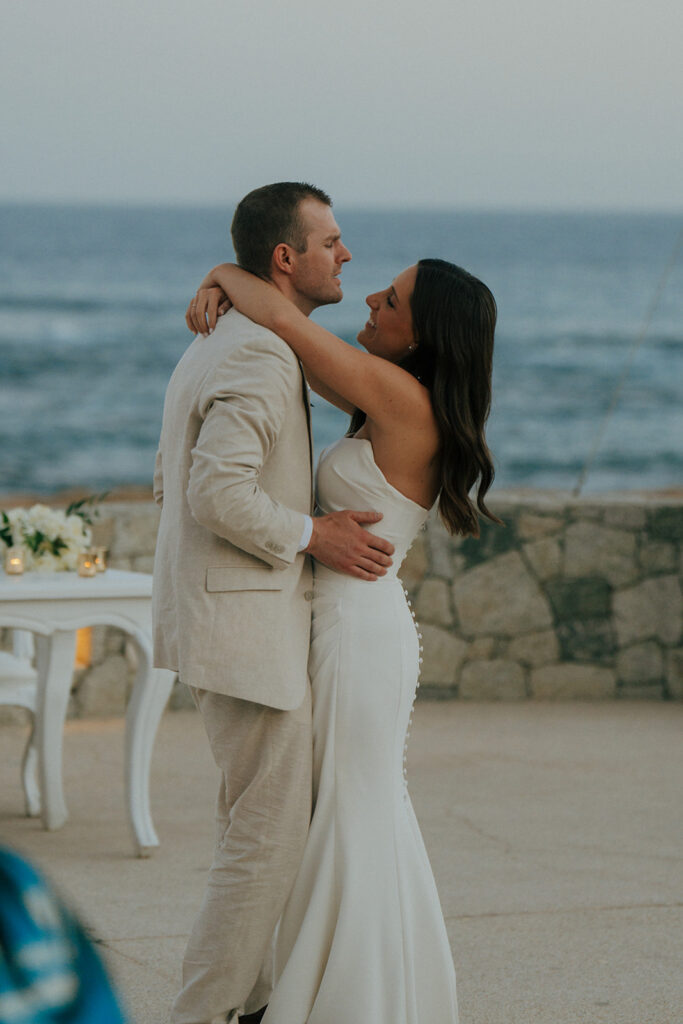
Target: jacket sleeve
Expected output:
[158,485]
[242,406]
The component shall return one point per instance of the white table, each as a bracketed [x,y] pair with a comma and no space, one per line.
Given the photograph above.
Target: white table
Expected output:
[53,606]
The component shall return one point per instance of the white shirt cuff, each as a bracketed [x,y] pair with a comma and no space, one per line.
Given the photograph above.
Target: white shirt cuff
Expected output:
[307,534]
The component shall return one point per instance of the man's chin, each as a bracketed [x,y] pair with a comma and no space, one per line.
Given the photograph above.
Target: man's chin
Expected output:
[328,298]
[336,296]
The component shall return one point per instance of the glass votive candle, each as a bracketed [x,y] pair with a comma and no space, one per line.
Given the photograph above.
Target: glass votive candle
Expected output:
[86,564]
[100,558]
[14,561]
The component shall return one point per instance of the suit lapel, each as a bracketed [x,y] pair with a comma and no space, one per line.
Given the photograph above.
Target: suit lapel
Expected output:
[307,406]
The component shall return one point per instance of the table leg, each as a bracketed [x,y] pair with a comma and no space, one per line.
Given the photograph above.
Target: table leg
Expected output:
[150,695]
[29,775]
[55,664]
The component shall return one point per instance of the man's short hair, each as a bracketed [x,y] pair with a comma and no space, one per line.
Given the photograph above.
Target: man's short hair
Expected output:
[267,217]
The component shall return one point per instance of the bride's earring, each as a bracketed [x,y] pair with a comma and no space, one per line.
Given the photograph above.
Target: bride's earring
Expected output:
[412,348]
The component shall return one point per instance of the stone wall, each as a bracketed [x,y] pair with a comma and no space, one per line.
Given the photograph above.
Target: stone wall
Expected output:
[571,599]
[128,530]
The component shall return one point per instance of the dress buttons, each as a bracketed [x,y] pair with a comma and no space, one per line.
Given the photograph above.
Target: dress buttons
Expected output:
[417,687]
[308,595]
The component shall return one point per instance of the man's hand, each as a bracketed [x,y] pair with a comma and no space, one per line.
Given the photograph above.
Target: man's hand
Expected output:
[340,542]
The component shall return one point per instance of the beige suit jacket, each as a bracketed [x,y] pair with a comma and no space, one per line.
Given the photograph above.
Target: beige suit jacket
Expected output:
[231,598]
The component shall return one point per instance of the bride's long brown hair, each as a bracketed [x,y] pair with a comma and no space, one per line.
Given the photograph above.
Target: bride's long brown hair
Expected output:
[454,319]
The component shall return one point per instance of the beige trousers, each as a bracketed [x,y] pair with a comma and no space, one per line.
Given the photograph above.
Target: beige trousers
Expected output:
[262,818]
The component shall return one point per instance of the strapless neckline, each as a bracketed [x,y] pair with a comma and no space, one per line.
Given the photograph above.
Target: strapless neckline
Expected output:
[371,451]
[349,478]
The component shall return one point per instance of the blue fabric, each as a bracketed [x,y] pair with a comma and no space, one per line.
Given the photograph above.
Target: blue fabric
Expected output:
[49,970]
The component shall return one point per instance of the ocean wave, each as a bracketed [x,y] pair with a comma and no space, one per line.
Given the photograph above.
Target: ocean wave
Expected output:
[59,304]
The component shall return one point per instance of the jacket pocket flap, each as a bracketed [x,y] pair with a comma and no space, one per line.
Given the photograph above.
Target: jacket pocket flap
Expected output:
[222,578]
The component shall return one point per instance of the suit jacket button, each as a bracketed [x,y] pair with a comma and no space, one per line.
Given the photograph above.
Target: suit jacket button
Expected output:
[308,596]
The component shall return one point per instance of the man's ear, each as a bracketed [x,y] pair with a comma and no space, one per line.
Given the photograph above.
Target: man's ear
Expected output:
[282,259]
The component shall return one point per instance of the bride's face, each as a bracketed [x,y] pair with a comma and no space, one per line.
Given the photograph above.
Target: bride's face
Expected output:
[389,330]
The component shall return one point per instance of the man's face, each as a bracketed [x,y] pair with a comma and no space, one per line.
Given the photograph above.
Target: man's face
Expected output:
[315,277]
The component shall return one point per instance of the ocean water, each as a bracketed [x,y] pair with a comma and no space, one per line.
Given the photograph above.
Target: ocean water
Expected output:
[91,326]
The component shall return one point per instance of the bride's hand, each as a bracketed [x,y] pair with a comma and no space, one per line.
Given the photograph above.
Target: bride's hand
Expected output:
[257,299]
[205,308]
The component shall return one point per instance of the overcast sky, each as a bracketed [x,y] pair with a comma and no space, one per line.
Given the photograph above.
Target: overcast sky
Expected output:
[447,103]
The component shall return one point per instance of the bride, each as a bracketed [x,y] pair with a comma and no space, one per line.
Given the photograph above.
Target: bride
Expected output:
[362,937]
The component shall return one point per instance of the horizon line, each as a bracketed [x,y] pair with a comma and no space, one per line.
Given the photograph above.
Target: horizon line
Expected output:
[360,207]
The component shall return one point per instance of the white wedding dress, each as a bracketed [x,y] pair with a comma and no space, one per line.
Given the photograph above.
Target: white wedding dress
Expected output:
[362,939]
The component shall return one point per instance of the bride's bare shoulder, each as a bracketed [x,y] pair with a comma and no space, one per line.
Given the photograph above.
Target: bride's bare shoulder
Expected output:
[412,439]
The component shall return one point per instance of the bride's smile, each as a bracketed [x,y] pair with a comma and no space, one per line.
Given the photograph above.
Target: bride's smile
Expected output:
[389,331]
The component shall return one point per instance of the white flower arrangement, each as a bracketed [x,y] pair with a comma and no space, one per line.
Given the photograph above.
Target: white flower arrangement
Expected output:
[50,539]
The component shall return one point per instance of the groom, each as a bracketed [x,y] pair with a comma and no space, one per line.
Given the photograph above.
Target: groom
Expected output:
[233,590]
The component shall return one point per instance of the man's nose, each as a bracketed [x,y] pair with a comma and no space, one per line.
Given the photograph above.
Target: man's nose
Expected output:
[345,255]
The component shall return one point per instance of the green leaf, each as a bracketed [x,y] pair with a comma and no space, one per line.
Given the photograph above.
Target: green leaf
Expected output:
[34,540]
[84,507]
[74,507]
[6,530]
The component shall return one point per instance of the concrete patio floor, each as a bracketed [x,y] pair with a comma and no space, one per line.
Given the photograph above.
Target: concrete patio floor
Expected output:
[554,831]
